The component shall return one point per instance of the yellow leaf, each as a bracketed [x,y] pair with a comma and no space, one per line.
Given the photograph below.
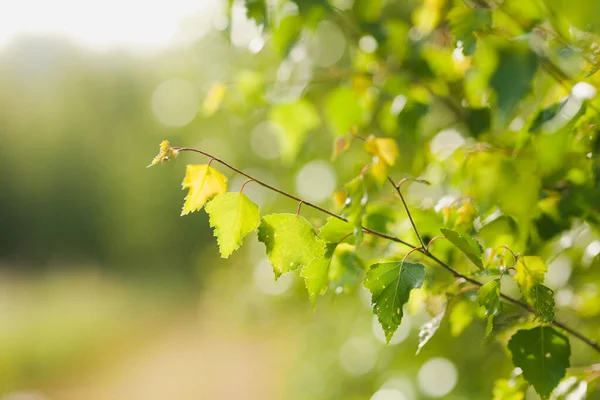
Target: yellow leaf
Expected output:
[165,153]
[384,148]
[379,169]
[530,272]
[341,144]
[466,214]
[214,98]
[204,182]
[338,197]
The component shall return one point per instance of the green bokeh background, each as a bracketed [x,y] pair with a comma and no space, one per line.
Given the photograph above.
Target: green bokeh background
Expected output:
[107,293]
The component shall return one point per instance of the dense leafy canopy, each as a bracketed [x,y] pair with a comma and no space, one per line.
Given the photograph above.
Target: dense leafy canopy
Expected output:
[492,104]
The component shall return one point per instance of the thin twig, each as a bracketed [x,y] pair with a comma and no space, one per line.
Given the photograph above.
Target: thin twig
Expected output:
[590,342]
[245,183]
[412,222]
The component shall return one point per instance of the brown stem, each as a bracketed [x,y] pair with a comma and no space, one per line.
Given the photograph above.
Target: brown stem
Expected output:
[590,342]
[412,222]
[245,183]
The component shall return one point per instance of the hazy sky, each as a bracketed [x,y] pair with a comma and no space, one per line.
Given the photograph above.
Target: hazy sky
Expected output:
[101,24]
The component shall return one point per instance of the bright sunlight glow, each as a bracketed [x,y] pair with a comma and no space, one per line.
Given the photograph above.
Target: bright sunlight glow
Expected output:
[103,24]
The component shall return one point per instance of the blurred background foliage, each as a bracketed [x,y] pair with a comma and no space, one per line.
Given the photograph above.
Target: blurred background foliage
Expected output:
[105,292]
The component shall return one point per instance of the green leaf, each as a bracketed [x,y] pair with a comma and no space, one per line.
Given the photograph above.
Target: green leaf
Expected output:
[346,269]
[233,215]
[355,205]
[316,274]
[343,110]
[429,328]
[257,10]
[478,120]
[297,119]
[204,182]
[501,231]
[489,297]
[335,230]
[466,22]
[512,78]
[530,272]
[582,14]
[543,355]
[547,114]
[390,285]
[286,34]
[466,244]
[291,242]
[542,298]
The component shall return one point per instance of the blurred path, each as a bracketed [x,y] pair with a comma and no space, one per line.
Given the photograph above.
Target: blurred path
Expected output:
[187,363]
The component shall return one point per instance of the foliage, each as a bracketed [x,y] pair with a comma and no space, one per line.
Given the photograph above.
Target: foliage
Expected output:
[477,98]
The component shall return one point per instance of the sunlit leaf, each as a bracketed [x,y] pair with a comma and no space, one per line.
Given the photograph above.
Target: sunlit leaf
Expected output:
[346,269]
[335,230]
[165,153]
[542,300]
[390,285]
[291,242]
[543,355]
[355,205]
[384,148]
[286,34]
[385,152]
[204,182]
[466,244]
[489,297]
[429,328]
[530,272]
[582,14]
[341,144]
[233,215]
[316,274]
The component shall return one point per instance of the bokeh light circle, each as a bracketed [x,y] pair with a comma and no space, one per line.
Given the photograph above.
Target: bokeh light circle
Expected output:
[357,356]
[175,102]
[264,279]
[265,140]
[388,394]
[328,45]
[315,181]
[437,377]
